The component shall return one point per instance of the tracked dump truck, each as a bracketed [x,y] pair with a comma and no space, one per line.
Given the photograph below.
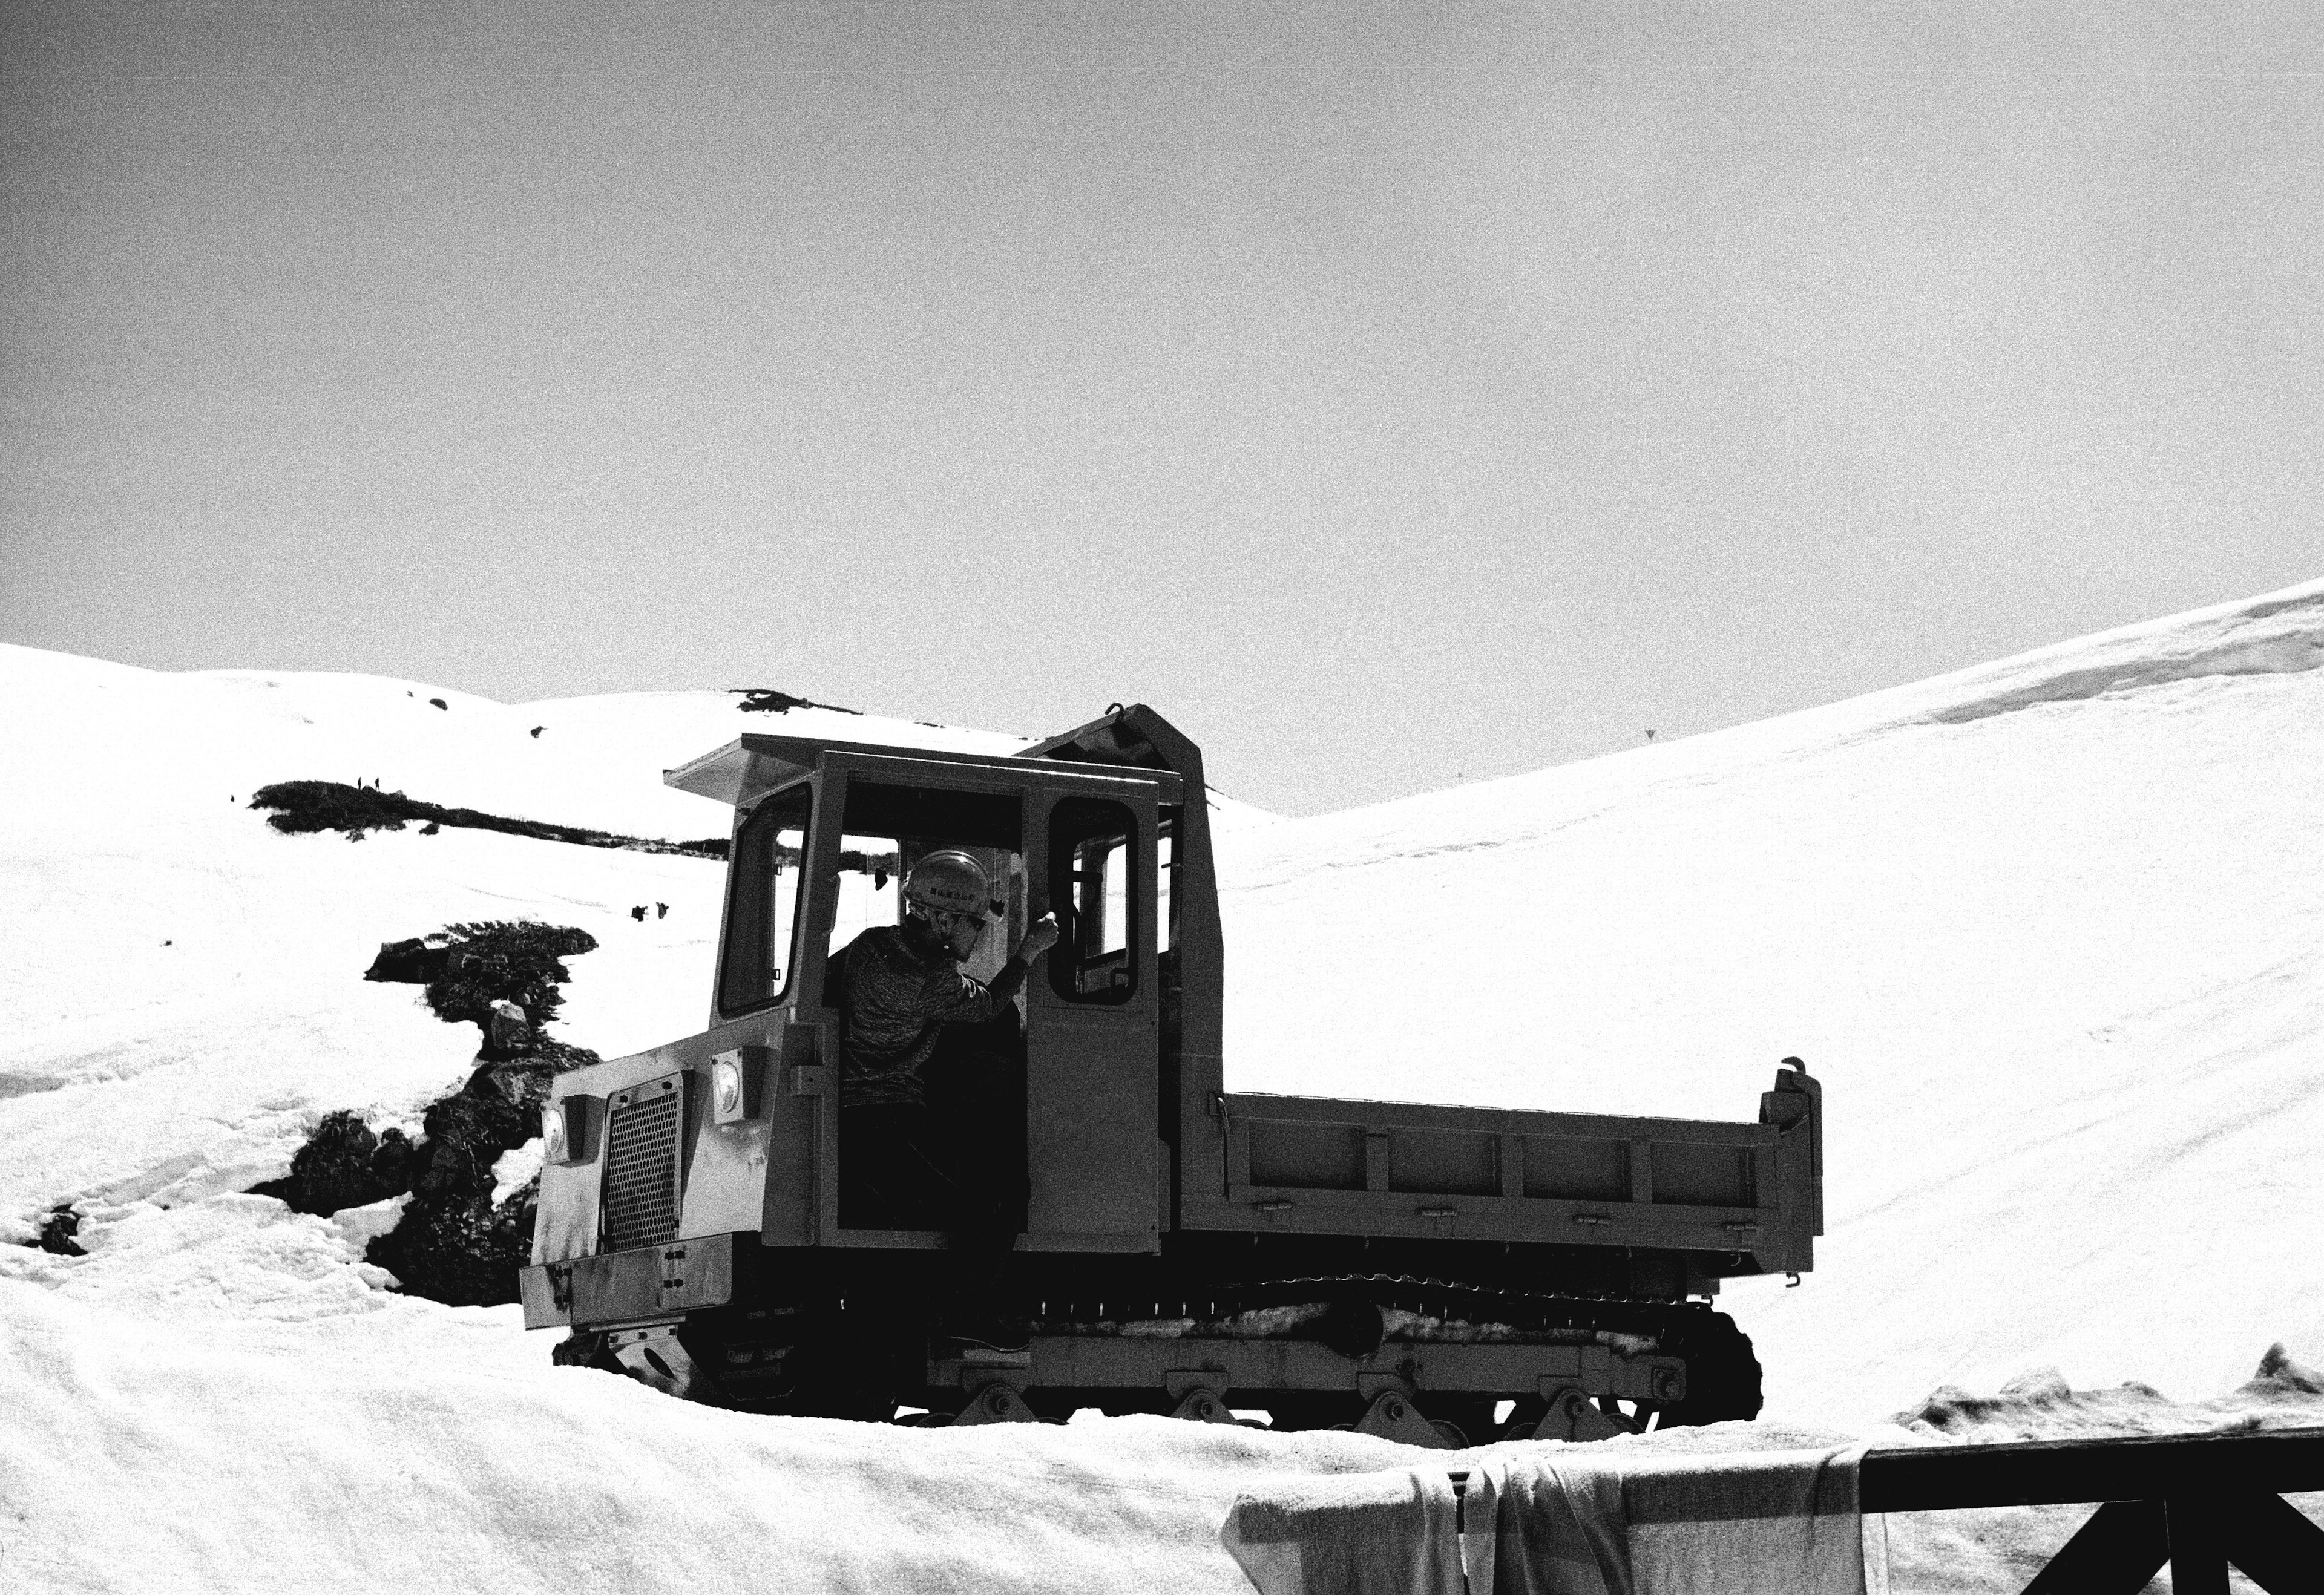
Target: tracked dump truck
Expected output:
[1438,1275]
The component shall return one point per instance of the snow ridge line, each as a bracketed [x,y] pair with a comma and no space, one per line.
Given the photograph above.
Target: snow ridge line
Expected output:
[2278,634]
[2300,651]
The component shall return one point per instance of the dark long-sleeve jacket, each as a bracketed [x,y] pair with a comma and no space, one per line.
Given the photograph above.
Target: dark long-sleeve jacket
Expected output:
[896,998]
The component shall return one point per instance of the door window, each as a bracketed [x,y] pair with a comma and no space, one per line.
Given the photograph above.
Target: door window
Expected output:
[1165,875]
[870,887]
[1093,887]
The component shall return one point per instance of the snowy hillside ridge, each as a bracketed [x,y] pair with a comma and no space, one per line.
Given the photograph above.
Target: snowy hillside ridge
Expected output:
[2278,634]
[522,760]
[2274,633]
[586,762]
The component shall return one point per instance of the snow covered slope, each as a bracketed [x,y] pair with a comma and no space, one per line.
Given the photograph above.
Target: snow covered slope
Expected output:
[2051,930]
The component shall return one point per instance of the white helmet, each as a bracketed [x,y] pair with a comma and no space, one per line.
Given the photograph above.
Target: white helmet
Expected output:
[950,881]
[950,894]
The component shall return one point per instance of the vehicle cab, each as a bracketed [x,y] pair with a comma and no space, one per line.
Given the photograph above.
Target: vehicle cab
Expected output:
[736,1130]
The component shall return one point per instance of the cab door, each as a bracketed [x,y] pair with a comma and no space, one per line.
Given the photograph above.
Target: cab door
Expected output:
[1091,1037]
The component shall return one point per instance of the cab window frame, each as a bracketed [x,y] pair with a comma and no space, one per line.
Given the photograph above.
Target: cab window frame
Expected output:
[749,889]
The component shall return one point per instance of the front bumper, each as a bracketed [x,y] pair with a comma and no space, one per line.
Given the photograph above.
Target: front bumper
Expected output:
[628,1286]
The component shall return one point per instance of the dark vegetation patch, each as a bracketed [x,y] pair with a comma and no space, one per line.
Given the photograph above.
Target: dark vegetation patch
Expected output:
[344,1165]
[57,1234]
[470,969]
[765,700]
[454,1243]
[303,806]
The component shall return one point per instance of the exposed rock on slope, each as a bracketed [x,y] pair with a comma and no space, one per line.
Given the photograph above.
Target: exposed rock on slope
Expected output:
[302,807]
[344,1165]
[460,1240]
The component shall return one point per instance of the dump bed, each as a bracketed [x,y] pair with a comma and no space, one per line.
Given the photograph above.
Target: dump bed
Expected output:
[1314,1166]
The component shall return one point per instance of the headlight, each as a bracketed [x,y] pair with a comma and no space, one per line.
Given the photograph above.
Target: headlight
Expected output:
[737,1080]
[552,1132]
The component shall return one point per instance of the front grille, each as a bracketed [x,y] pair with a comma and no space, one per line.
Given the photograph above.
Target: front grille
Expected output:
[642,1138]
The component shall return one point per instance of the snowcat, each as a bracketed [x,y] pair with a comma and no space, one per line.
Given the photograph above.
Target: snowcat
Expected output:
[1432,1273]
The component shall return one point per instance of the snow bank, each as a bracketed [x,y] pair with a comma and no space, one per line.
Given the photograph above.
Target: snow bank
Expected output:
[421,1447]
[367,1441]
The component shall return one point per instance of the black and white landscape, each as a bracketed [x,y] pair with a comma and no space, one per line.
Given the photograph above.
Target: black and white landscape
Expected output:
[2050,930]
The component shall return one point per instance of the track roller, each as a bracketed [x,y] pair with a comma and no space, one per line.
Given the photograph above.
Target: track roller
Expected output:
[1203,1404]
[1393,1416]
[996,1402]
[1572,1417]
[653,1355]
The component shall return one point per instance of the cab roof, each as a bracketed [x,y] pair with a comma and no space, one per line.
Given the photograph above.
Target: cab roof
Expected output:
[757,763]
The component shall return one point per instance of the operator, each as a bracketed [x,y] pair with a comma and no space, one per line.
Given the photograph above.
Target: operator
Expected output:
[900,985]
[911,1012]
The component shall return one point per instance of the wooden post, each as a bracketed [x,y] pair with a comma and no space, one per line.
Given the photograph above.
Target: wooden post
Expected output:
[2124,1544]
[2198,1561]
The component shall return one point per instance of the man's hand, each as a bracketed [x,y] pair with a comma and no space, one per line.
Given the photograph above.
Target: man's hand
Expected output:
[1039,937]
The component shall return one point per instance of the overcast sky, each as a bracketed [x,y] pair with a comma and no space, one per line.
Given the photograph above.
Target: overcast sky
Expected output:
[1390,395]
